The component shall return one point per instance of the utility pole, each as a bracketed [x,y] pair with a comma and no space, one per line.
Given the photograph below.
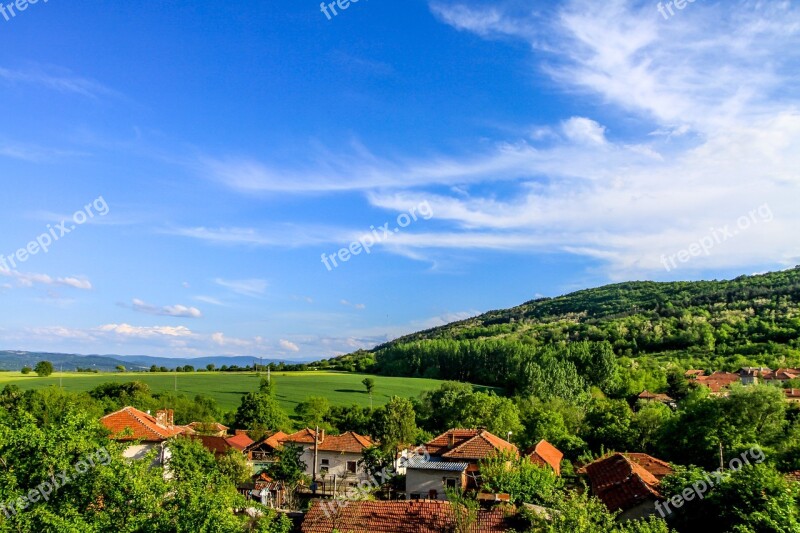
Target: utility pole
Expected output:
[721,460]
[316,449]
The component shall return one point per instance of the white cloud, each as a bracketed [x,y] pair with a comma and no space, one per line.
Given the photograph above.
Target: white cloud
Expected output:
[346,303]
[60,80]
[181,311]
[29,279]
[288,345]
[246,287]
[210,300]
[146,332]
[584,130]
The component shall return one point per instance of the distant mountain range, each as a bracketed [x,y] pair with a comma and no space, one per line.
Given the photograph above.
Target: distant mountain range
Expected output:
[15,360]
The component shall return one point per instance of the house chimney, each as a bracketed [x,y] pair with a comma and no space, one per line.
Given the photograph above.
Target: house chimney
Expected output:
[451,439]
[165,417]
[321,435]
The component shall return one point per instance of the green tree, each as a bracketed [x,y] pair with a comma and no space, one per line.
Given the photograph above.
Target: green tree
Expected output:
[288,467]
[43,368]
[260,412]
[608,424]
[26,370]
[394,425]
[313,411]
[369,384]
[524,480]
[120,368]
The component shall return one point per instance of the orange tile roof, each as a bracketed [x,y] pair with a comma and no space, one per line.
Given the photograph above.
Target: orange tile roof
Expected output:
[240,441]
[346,442]
[416,516]
[545,453]
[660,469]
[718,380]
[130,423]
[622,482]
[785,374]
[468,444]
[792,393]
[304,436]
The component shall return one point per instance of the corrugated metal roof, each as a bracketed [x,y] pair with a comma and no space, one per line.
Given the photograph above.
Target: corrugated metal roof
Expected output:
[419,463]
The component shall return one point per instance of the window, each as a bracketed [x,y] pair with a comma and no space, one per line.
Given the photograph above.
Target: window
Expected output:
[351,467]
[326,462]
[450,483]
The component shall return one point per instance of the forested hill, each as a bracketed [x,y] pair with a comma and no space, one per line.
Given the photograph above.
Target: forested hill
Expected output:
[751,320]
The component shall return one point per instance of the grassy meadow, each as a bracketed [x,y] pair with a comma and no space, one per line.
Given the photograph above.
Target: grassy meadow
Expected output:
[227,388]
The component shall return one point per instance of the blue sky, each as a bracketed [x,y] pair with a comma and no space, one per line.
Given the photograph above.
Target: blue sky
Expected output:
[224,148]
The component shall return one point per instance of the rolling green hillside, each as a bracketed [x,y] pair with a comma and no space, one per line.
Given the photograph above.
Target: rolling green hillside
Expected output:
[751,320]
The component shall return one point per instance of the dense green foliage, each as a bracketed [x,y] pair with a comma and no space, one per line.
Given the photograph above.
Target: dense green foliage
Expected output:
[749,321]
[61,473]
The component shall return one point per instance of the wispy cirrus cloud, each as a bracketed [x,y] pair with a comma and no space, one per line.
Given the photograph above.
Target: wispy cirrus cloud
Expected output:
[253,288]
[57,79]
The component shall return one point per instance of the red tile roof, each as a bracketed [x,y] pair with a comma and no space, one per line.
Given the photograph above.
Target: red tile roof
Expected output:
[304,436]
[660,469]
[468,444]
[718,380]
[130,423]
[346,442]
[622,482]
[420,516]
[647,395]
[240,441]
[792,394]
[785,374]
[545,453]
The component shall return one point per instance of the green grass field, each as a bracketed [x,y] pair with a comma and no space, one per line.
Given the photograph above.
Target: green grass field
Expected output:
[227,388]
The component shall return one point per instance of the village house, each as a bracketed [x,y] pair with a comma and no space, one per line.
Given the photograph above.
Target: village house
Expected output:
[545,454]
[751,375]
[396,517]
[261,453]
[792,395]
[452,462]
[627,482]
[152,432]
[719,382]
[647,396]
[221,445]
[338,457]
